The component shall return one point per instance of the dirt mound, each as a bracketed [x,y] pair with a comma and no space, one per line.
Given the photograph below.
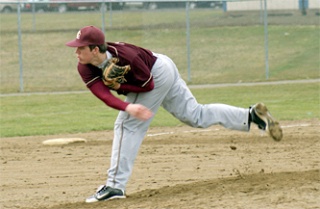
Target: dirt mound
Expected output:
[177,167]
[251,191]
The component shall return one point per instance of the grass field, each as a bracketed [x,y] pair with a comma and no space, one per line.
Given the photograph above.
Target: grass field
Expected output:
[80,113]
[225,48]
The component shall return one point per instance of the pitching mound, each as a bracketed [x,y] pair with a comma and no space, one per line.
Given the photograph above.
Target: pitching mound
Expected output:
[177,168]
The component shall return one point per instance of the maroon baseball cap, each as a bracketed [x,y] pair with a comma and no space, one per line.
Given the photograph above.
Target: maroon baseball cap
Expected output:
[89,35]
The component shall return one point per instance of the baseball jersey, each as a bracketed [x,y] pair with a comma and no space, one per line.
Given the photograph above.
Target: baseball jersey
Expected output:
[139,78]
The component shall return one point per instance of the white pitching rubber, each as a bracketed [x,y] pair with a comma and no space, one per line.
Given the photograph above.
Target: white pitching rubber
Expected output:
[63,141]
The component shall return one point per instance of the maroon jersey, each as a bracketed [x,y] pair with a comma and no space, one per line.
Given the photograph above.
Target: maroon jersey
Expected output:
[139,78]
[140,60]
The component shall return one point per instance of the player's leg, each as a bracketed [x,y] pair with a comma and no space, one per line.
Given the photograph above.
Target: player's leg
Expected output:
[129,133]
[181,103]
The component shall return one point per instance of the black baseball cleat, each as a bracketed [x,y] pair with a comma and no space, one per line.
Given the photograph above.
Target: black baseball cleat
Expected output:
[105,193]
[260,115]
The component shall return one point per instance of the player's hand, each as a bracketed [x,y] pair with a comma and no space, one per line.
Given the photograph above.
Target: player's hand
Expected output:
[139,111]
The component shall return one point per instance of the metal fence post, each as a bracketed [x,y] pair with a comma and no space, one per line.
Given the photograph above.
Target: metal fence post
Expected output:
[33,16]
[266,38]
[20,47]
[103,12]
[110,14]
[188,40]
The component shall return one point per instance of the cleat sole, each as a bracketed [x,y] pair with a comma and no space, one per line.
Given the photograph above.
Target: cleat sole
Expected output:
[273,127]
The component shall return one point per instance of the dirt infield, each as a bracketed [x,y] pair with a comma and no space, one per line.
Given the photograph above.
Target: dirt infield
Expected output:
[177,167]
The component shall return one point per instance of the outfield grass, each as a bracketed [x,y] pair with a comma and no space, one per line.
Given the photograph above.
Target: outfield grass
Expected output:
[76,113]
[225,48]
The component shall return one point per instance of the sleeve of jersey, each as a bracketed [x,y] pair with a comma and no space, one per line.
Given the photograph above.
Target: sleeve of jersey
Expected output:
[91,76]
[104,94]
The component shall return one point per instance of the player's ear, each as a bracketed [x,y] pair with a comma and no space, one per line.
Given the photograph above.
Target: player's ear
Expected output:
[95,50]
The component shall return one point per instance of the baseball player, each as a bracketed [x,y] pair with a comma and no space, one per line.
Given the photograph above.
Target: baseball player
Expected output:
[149,80]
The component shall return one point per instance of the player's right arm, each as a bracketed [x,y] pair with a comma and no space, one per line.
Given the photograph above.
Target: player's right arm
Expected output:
[102,92]
[93,81]
[92,77]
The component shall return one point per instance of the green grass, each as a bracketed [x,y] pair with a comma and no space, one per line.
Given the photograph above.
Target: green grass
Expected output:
[76,113]
[224,48]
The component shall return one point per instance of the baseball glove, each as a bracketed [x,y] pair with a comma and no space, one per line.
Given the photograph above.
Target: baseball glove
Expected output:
[112,73]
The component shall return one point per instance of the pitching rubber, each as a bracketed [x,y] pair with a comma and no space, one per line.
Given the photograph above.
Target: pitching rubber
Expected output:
[63,141]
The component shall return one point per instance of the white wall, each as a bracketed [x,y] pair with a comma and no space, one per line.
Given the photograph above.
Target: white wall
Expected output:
[314,4]
[271,5]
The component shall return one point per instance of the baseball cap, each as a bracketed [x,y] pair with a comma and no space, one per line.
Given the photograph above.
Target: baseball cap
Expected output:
[89,35]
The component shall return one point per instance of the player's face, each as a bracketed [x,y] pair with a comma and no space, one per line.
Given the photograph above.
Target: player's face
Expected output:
[84,55]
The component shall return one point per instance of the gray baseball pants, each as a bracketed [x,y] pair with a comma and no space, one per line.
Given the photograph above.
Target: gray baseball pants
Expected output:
[172,93]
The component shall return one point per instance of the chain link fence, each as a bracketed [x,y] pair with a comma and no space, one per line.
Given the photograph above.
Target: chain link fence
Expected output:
[210,41]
